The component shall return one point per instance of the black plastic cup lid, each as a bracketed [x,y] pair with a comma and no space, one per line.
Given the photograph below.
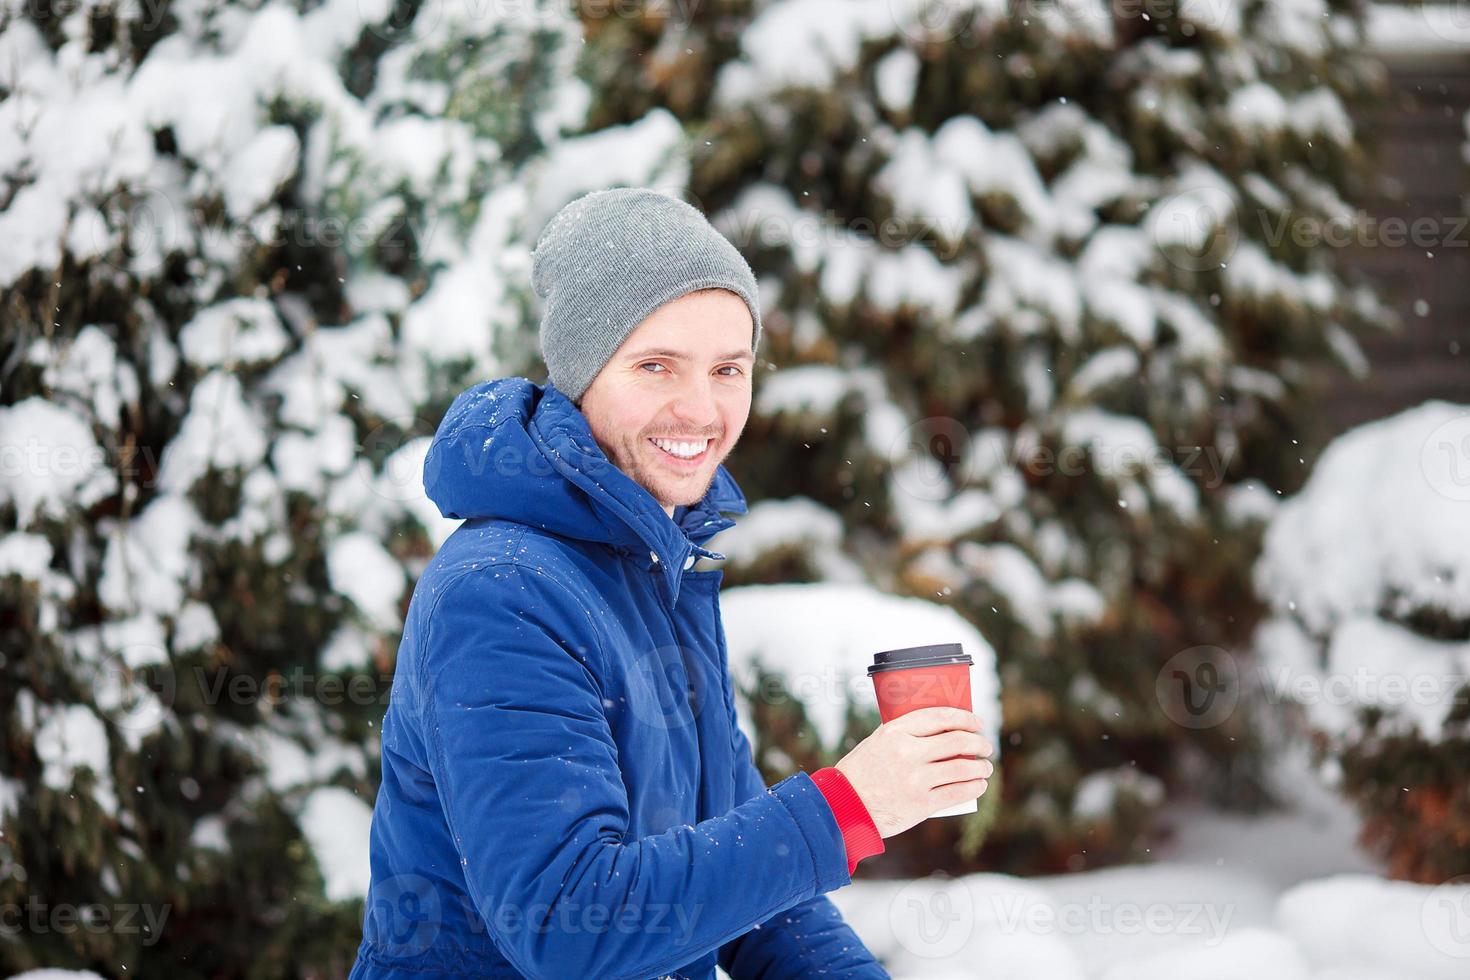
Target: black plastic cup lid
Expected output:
[932,655]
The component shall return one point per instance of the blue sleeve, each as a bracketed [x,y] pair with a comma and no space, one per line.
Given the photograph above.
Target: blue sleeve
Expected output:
[527,774]
[809,938]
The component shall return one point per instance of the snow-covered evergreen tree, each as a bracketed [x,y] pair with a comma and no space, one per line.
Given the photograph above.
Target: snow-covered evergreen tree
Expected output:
[248,253]
[1368,580]
[1043,325]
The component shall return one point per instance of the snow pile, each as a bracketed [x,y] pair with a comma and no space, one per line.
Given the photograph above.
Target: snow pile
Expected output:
[820,639]
[336,825]
[1283,896]
[1161,922]
[1367,576]
[53,462]
[1367,645]
[798,526]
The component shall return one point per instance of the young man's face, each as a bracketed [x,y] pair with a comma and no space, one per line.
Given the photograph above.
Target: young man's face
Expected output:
[682,379]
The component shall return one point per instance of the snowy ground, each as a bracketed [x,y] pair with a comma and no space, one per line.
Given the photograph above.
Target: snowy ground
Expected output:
[1282,897]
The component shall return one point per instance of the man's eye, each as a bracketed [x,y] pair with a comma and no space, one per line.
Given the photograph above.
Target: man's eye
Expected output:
[732,367]
[651,364]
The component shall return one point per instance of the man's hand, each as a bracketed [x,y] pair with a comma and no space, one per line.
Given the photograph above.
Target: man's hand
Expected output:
[907,770]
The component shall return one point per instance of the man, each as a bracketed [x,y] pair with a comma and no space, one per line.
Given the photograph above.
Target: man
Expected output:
[566,792]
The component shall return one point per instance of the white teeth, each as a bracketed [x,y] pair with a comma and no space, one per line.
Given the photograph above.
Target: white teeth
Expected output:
[684,450]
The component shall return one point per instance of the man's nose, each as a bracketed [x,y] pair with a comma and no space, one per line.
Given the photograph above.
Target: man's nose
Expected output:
[695,403]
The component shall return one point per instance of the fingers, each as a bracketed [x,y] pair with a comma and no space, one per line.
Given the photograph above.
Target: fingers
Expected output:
[946,745]
[959,771]
[932,721]
[952,793]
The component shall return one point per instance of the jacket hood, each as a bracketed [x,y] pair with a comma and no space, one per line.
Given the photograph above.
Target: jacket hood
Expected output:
[517,451]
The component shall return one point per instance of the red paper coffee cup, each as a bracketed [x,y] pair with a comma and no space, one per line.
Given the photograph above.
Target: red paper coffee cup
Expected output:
[937,675]
[931,676]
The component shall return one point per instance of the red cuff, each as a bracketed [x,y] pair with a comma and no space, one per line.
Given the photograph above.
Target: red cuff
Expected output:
[858,830]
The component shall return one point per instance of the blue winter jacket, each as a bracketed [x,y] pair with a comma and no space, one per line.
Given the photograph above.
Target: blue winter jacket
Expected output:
[566,793]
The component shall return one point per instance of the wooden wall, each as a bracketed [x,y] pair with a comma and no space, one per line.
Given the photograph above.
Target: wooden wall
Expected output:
[1417,137]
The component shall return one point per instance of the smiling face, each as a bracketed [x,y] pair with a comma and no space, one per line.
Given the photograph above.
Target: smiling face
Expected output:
[672,402]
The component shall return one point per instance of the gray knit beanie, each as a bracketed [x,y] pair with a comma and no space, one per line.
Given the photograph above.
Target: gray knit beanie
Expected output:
[610,258]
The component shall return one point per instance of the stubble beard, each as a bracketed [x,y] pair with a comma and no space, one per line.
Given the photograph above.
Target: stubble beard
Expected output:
[633,461]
